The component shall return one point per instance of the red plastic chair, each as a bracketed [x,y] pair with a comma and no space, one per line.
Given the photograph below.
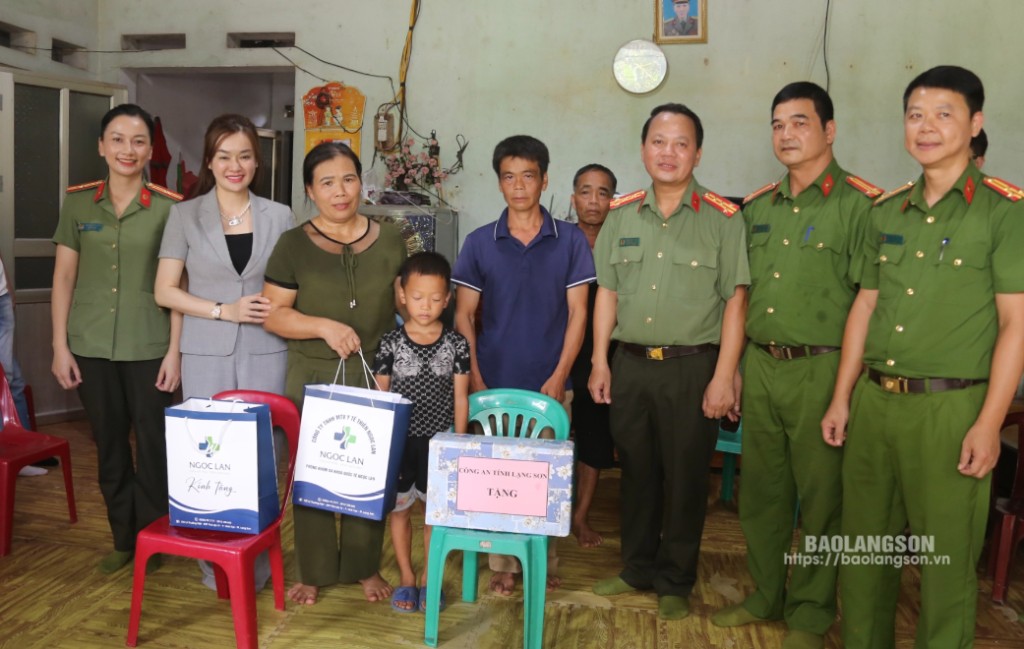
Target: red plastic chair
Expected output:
[1007,513]
[19,448]
[232,555]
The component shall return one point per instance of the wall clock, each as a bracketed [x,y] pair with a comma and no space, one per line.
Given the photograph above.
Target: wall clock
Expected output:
[639,66]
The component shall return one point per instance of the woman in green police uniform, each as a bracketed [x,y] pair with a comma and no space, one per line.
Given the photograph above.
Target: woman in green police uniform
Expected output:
[330,283]
[110,339]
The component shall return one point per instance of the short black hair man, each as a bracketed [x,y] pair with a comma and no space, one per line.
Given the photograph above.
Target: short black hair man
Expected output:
[806,259]
[939,324]
[672,274]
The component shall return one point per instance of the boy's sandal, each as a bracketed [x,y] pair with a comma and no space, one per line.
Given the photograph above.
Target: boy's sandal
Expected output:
[406,595]
[423,601]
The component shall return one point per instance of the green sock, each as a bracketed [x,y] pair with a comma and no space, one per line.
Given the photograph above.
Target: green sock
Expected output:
[673,607]
[612,586]
[803,640]
[114,561]
[735,615]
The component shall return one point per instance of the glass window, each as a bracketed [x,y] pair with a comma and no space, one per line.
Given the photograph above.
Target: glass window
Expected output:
[37,161]
[84,115]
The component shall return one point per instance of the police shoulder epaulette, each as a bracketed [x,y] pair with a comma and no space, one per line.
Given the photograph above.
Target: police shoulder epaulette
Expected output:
[760,192]
[627,199]
[864,187]
[721,204]
[899,190]
[1003,188]
[77,188]
[163,191]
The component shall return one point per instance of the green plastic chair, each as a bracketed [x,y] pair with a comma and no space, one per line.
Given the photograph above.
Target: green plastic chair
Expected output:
[729,444]
[506,413]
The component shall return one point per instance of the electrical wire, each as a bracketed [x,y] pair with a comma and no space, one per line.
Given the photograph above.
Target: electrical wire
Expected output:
[824,46]
[342,67]
[462,143]
[403,72]
[297,66]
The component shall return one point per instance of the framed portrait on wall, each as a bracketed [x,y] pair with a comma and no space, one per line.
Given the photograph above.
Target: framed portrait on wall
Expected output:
[681,21]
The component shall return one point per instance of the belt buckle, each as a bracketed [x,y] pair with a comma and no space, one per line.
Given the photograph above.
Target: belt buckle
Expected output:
[655,354]
[781,353]
[895,384]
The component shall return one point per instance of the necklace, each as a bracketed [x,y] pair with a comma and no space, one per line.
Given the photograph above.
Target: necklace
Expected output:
[236,219]
[335,241]
[347,257]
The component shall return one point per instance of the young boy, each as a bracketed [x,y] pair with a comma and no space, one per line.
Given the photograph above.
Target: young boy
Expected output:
[428,364]
[939,324]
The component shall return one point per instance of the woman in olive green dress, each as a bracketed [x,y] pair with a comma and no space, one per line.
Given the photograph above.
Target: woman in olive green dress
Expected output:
[330,283]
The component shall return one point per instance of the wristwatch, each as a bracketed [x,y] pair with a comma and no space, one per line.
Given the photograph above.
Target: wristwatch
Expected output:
[216,311]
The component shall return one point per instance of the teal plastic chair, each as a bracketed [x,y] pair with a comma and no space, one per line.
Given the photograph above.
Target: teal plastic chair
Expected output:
[730,444]
[507,413]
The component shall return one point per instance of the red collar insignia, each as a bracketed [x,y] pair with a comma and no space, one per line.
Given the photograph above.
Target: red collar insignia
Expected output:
[826,185]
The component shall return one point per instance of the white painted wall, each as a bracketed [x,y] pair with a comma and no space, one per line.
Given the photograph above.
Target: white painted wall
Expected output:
[71,21]
[489,69]
[187,103]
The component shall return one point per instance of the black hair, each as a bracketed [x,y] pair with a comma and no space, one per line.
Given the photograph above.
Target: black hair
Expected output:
[595,167]
[526,147]
[950,77]
[127,110]
[327,151]
[425,263]
[979,144]
[807,90]
[678,109]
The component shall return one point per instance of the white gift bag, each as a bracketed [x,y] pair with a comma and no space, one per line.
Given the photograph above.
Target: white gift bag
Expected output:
[221,470]
[350,449]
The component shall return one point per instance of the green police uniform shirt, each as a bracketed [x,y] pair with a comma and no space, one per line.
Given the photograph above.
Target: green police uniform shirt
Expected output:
[937,270]
[113,312]
[672,276]
[806,257]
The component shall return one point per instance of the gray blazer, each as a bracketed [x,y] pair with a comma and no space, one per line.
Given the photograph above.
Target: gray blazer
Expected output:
[195,235]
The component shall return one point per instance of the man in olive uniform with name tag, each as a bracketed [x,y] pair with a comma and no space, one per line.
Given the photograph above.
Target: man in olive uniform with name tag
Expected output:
[672,274]
[806,257]
[939,323]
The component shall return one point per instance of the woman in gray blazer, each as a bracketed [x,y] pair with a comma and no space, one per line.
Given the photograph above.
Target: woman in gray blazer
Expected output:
[212,259]
[220,242]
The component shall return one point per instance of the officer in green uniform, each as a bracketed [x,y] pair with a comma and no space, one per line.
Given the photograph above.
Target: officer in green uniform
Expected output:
[939,323]
[805,235]
[110,339]
[672,273]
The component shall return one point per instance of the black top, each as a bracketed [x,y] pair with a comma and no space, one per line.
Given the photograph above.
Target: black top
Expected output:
[424,374]
[240,249]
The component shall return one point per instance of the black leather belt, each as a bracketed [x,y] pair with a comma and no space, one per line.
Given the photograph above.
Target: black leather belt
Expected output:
[786,353]
[903,385]
[666,351]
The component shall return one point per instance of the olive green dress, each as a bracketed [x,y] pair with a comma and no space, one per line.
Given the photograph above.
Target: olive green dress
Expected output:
[355,289]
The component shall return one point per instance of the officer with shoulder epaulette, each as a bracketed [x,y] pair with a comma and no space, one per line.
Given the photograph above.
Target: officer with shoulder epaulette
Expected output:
[939,325]
[672,274]
[110,339]
[805,234]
